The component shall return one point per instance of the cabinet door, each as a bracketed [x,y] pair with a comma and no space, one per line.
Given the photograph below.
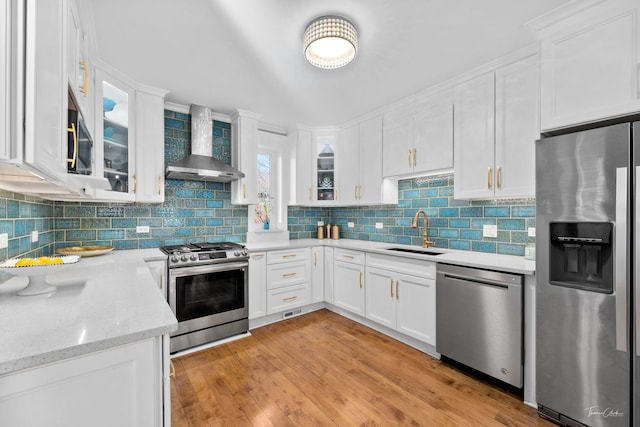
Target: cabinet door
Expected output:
[149,172]
[349,287]
[304,192]
[158,270]
[325,174]
[397,146]
[257,285]
[416,307]
[516,128]
[244,136]
[46,90]
[474,138]
[590,65]
[349,165]
[380,297]
[370,157]
[328,275]
[317,274]
[433,135]
[5,79]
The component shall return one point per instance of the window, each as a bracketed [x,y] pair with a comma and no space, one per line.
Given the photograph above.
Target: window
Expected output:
[264,208]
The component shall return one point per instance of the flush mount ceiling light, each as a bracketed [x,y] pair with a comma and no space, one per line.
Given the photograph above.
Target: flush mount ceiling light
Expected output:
[330,42]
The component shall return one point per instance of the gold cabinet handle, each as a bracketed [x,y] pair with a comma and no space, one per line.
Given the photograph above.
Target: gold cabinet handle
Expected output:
[309,193]
[347,256]
[289,256]
[415,154]
[409,158]
[290,298]
[172,369]
[361,280]
[244,191]
[315,259]
[336,194]
[397,290]
[391,287]
[289,274]
[489,178]
[355,191]
[159,184]
[135,183]
[257,256]
[85,83]
[72,160]
[498,177]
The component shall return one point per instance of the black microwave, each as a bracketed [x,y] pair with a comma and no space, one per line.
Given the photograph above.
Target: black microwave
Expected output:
[79,142]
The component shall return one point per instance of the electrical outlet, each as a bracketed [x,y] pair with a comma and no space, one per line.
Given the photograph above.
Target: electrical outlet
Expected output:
[4,240]
[379,225]
[489,230]
[34,236]
[350,225]
[531,231]
[320,223]
[142,229]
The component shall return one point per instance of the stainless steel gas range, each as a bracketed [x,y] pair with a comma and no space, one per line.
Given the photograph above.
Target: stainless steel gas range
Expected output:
[208,292]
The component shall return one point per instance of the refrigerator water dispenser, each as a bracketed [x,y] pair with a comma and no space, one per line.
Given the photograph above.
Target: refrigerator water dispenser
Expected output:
[580,255]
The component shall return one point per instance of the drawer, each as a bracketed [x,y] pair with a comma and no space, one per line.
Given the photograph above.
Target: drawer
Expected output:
[287,297]
[275,257]
[416,267]
[347,255]
[285,274]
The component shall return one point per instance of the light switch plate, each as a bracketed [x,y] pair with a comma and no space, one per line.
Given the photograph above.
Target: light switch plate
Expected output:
[531,231]
[142,229]
[489,230]
[34,236]
[350,225]
[379,225]
[320,223]
[4,240]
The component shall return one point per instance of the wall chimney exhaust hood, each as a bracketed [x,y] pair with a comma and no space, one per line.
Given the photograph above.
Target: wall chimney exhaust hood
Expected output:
[200,165]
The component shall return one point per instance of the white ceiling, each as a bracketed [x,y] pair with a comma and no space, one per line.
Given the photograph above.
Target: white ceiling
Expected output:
[247,54]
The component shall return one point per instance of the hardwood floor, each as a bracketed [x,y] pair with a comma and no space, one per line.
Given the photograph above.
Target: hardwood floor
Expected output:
[323,369]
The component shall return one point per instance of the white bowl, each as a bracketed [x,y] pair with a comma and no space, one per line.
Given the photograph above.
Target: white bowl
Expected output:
[37,284]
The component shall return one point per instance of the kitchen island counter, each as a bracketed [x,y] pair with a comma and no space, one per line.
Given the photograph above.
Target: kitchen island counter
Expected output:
[100,302]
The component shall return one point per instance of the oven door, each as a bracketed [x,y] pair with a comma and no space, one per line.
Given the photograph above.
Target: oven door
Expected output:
[208,295]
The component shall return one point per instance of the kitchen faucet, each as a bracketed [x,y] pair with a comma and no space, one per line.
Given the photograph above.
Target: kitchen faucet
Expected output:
[425,243]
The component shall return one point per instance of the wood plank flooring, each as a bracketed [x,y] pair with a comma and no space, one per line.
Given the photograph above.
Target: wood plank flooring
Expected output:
[322,369]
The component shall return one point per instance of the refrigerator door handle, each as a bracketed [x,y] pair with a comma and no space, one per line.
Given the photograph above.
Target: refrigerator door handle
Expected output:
[620,275]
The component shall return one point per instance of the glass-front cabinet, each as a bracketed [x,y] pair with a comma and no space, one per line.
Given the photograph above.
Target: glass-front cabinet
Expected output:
[316,162]
[325,172]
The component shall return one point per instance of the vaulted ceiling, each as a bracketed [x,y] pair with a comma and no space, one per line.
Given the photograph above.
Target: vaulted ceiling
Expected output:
[247,54]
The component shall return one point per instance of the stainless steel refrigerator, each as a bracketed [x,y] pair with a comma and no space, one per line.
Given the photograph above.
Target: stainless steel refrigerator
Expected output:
[587,343]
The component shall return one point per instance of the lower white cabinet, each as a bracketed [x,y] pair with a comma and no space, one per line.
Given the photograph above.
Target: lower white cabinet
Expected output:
[317,274]
[293,296]
[349,280]
[257,285]
[401,301]
[288,278]
[158,269]
[122,386]
[328,274]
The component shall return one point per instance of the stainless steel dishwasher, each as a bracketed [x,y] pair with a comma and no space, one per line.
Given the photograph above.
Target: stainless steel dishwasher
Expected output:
[479,320]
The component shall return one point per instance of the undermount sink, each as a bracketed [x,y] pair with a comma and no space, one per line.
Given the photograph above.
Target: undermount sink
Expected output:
[414,251]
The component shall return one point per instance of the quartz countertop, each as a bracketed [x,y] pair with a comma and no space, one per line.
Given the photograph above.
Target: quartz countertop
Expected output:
[100,302]
[506,263]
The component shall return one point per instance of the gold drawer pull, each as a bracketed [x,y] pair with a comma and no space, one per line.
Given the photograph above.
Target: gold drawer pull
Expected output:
[415,154]
[172,370]
[409,158]
[258,256]
[289,256]
[489,178]
[347,256]
[391,287]
[397,291]
[290,298]
[289,274]
[315,259]
[361,280]
[498,177]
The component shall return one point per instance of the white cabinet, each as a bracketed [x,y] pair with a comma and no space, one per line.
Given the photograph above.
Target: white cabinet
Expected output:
[7,74]
[288,279]
[122,386]
[129,141]
[401,295]
[158,270]
[317,274]
[495,130]
[257,285]
[360,166]
[244,143]
[349,280]
[328,274]
[316,166]
[79,67]
[590,63]
[418,138]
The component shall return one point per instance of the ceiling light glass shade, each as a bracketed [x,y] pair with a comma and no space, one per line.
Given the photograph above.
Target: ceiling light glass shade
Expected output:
[330,42]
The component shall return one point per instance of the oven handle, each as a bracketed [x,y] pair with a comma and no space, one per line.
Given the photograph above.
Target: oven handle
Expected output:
[209,268]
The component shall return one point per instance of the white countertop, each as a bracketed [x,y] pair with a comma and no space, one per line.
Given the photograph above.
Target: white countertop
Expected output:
[100,302]
[506,263]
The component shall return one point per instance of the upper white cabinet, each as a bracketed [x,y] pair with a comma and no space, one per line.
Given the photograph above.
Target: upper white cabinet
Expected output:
[418,138]
[360,166]
[496,125]
[244,143]
[590,63]
[7,74]
[316,166]
[79,67]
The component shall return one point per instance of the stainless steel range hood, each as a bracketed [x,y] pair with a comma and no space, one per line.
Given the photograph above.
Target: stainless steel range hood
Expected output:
[200,165]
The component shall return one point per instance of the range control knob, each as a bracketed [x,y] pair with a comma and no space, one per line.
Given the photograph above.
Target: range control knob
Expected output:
[245,252]
[193,257]
[174,258]
[236,252]
[183,258]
